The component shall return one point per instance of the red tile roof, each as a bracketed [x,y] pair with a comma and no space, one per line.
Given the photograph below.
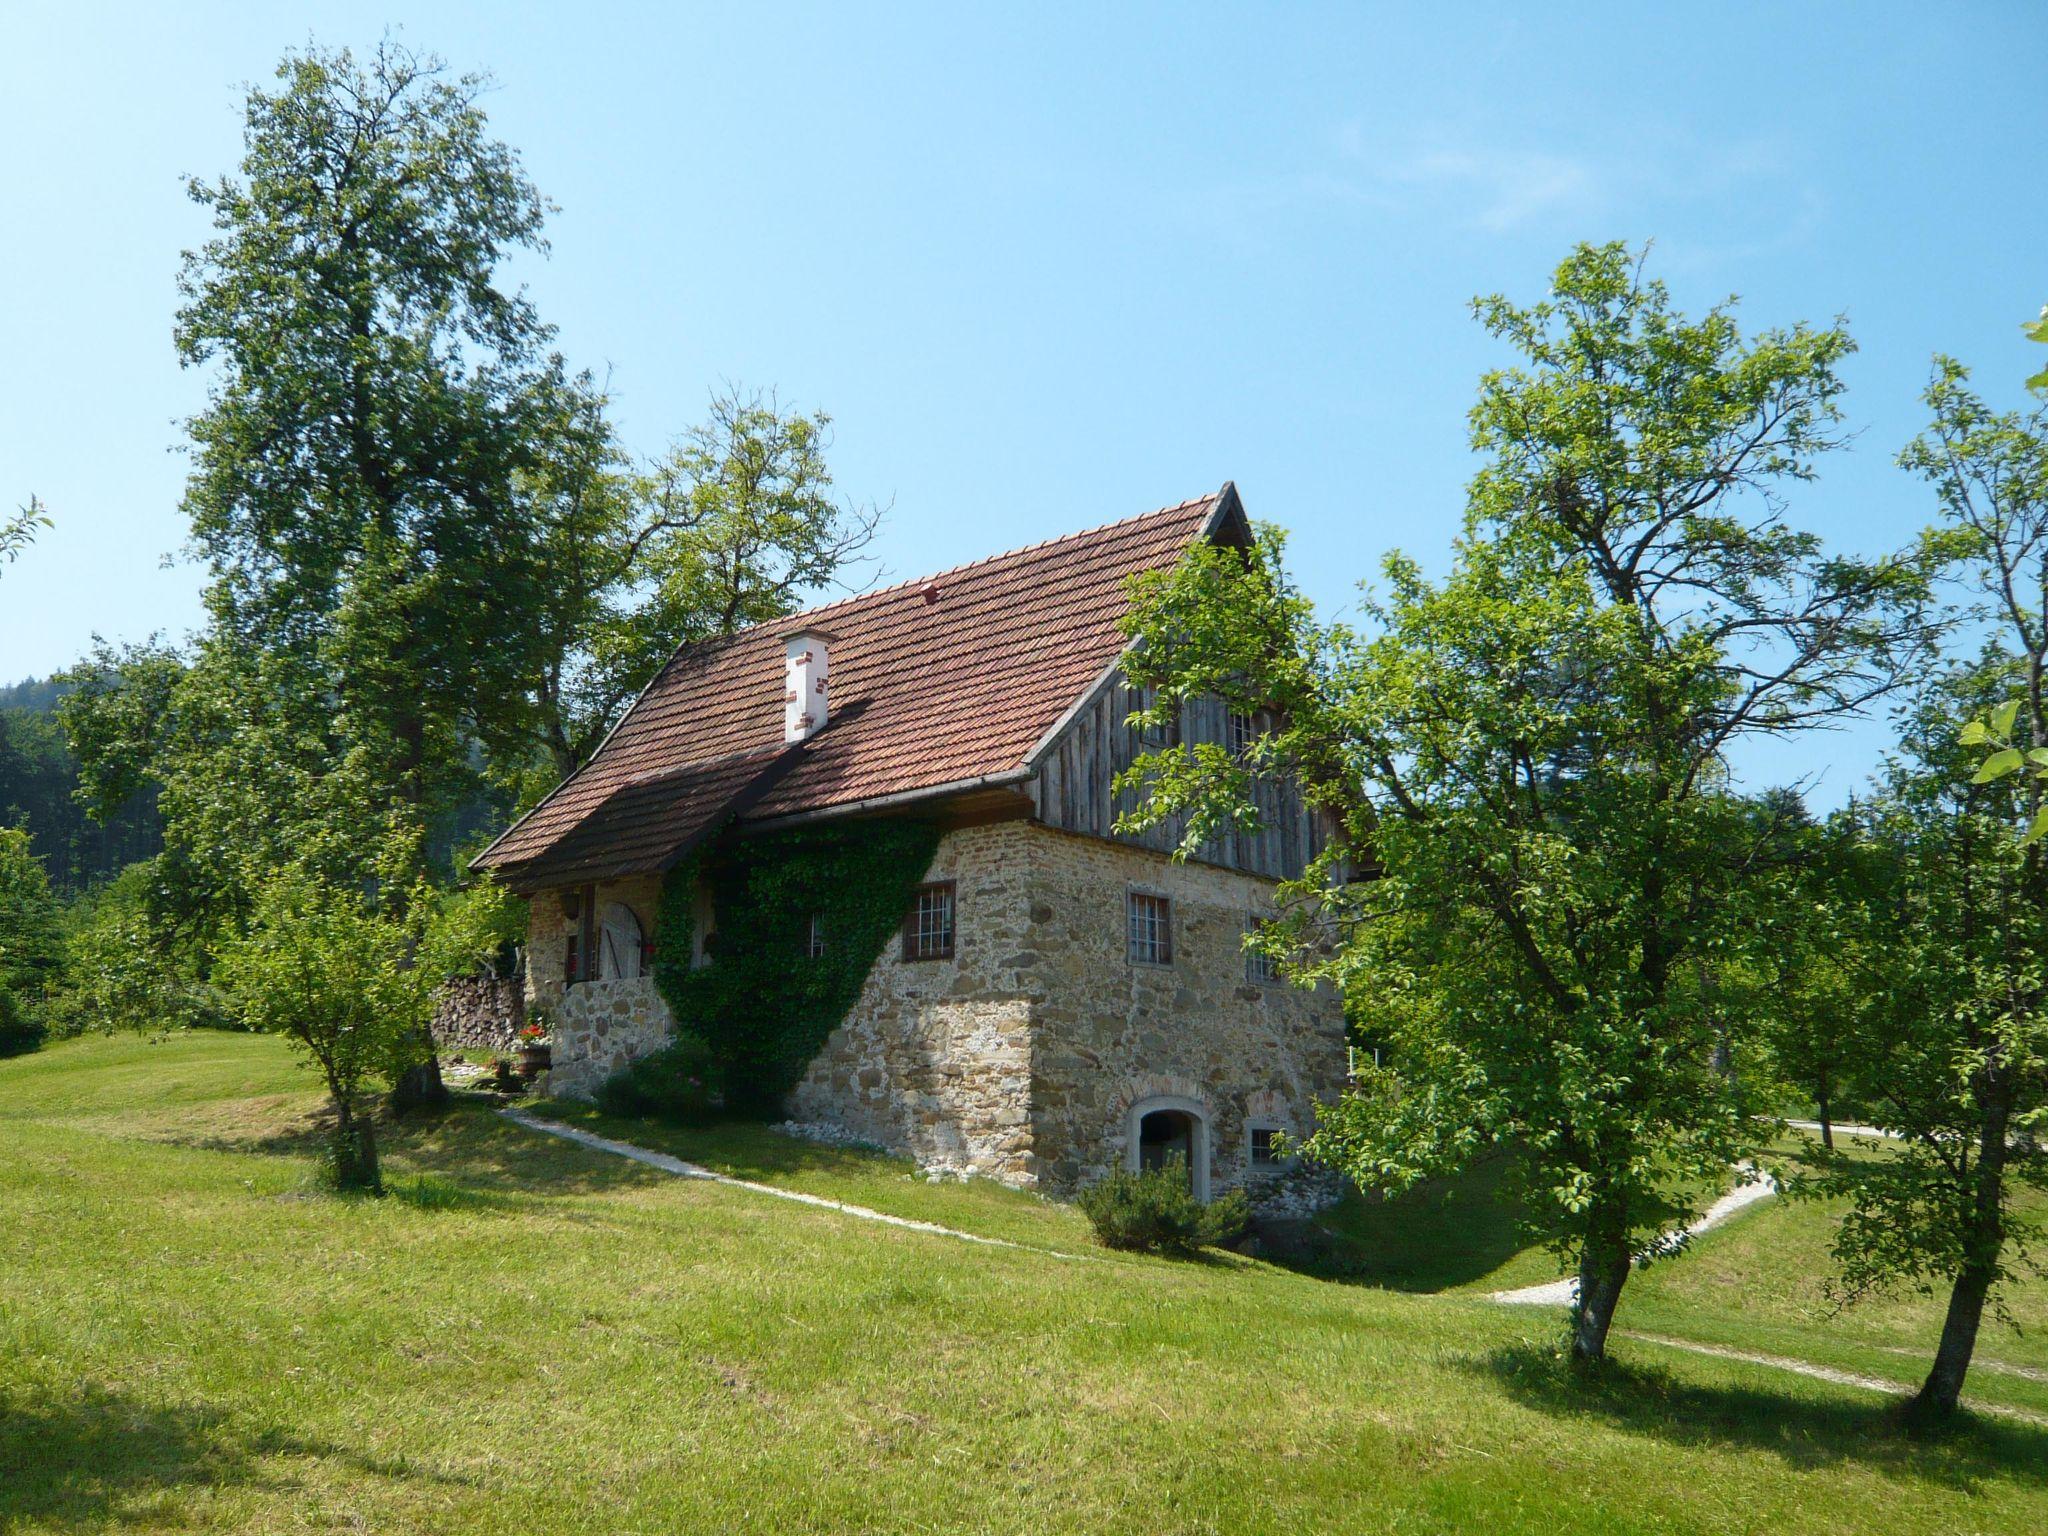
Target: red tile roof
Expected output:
[926,694]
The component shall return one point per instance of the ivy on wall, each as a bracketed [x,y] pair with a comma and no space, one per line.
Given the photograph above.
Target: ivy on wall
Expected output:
[765,1004]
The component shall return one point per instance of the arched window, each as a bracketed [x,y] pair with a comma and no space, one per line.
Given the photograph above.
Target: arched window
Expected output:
[1160,1129]
[619,943]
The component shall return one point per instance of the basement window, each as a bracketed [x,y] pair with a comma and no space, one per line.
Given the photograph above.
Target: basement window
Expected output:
[1148,928]
[1265,1149]
[928,926]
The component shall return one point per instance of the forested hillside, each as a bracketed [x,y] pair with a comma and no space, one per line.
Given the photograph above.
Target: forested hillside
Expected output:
[37,777]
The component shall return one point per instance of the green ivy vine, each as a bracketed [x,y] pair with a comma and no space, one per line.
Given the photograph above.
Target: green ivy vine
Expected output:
[765,1004]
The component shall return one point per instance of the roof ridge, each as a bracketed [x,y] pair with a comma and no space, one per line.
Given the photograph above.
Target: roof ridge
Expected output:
[955,570]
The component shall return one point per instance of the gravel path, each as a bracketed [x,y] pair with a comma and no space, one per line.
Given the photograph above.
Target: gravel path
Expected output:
[683,1170]
[1756,1185]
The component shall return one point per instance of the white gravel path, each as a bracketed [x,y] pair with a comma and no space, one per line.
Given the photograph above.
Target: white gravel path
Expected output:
[683,1170]
[1755,1185]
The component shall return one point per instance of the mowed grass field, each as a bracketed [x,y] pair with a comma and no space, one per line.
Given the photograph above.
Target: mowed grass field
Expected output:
[532,1337]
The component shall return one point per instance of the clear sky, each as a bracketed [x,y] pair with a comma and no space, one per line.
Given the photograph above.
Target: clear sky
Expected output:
[1051,267]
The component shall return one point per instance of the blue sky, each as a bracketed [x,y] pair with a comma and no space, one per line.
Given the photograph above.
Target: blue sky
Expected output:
[1053,267]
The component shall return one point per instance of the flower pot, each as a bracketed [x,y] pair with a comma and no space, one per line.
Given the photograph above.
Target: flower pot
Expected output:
[534,1060]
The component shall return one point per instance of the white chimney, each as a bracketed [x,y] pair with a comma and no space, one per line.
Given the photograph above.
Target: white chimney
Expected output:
[806,704]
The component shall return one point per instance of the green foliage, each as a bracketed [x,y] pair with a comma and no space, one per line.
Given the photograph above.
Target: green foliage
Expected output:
[18,529]
[31,940]
[19,1034]
[728,529]
[1531,753]
[1948,1023]
[680,1083]
[764,1006]
[1155,1211]
[39,783]
[128,965]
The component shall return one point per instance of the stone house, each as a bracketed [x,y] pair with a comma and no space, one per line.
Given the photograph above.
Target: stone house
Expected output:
[1063,999]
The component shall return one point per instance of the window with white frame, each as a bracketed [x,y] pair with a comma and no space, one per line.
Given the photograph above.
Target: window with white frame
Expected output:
[928,927]
[1265,1149]
[1148,928]
[1241,731]
[1259,969]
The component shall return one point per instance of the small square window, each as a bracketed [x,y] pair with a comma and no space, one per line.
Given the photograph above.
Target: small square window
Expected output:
[1265,1147]
[928,927]
[814,939]
[1148,928]
[1259,969]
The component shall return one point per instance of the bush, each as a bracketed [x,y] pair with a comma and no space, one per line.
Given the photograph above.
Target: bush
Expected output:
[679,1082]
[1156,1211]
[19,1034]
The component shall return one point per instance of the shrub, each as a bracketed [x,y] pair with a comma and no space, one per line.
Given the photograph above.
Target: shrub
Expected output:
[679,1082]
[19,1034]
[1155,1211]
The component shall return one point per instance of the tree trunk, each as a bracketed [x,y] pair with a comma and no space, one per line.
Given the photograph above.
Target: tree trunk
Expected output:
[1940,1394]
[1827,1124]
[354,1150]
[1603,1270]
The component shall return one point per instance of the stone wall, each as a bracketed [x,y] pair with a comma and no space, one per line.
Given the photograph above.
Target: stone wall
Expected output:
[479,1013]
[1022,1057]
[597,1026]
[933,1060]
[1110,1034]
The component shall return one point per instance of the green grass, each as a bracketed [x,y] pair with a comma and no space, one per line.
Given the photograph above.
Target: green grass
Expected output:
[536,1338]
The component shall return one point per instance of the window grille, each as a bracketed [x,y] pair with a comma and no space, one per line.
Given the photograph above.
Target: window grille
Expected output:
[1148,928]
[928,929]
[814,939]
[1259,969]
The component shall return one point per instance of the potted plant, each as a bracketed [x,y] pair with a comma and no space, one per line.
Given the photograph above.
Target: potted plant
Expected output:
[535,1050]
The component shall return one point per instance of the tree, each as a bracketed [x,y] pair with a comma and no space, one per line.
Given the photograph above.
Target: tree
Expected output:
[349,974]
[376,394]
[18,530]
[31,943]
[1528,757]
[732,527]
[1951,1035]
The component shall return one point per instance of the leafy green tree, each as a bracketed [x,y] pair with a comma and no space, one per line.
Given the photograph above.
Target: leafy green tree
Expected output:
[375,394]
[349,974]
[31,943]
[1528,757]
[732,527]
[1952,1035]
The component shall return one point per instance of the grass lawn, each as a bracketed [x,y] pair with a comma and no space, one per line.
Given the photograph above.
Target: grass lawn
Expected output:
[531,1337]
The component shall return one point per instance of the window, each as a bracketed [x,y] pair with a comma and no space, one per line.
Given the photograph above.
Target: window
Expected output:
[1259,969]
[1242,731]
[814,940]
[1167,735]
[1265,1148]
[928,928]
[1148,928]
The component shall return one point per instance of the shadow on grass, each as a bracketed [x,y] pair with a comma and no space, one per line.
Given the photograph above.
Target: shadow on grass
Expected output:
[1802,1431]
[1440,1234]
[95,1458]
[744,1149]
[461,1156]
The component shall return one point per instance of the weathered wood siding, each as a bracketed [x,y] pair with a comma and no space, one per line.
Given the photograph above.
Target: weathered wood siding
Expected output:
[1072,789]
